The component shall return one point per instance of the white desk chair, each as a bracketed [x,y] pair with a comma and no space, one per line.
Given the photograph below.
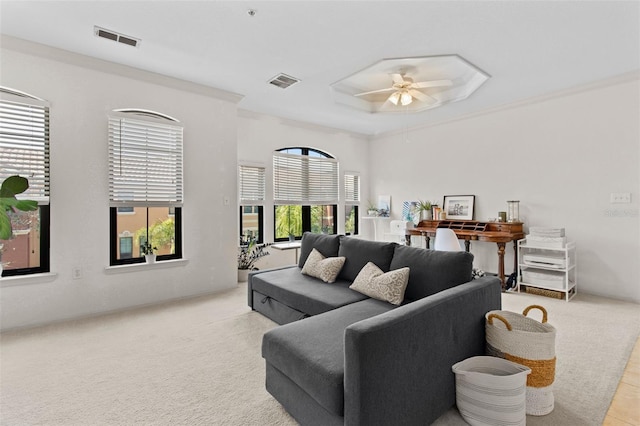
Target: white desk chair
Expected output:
[446,240]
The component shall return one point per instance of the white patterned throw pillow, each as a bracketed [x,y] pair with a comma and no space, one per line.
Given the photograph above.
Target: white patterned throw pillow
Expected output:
[325,268]
[388,287]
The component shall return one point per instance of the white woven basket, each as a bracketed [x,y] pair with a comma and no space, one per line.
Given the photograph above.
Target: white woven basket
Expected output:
[491,391]
[523,340]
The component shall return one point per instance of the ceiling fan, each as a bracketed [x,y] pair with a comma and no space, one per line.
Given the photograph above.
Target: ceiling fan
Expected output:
[405,90]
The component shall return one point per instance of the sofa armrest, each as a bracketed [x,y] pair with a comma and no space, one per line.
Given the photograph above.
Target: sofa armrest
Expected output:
[260,271]
[398,364]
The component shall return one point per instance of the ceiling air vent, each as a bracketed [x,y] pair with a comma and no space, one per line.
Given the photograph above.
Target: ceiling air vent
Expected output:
[283,81]
[112,35]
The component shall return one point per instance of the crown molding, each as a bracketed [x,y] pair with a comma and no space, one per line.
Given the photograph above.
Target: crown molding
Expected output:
[71,58]
[595,85]
[244,113]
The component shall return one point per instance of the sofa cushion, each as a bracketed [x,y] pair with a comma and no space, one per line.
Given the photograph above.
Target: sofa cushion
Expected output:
[360,252]
[432,271]
[302,292]
[311,352]
[326,244]
[385,286]
[325,268]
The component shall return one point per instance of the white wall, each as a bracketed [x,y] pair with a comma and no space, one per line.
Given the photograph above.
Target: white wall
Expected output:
[561,157]
[259,135]
[81,97]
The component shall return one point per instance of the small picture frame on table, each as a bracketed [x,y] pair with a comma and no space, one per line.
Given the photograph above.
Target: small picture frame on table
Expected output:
[458,207]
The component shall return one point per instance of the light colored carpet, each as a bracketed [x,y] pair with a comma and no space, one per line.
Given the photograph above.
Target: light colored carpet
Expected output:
[197,362]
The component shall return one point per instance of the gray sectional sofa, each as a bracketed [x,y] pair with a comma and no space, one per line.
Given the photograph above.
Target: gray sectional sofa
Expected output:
[355,360]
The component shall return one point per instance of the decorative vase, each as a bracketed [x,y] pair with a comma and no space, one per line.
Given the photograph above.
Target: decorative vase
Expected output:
[372,212]
[243,275]
[513,209]
[426,215]
[292,238]
[150,258]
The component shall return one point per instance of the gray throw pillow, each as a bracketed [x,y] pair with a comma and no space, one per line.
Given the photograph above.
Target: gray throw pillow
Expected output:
[359,252]
[327,245]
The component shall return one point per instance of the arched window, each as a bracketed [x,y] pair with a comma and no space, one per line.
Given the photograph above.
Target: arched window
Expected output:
[305,184]
[145,186]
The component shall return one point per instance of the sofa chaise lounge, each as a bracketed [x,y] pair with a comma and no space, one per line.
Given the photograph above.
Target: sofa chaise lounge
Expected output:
[341,357]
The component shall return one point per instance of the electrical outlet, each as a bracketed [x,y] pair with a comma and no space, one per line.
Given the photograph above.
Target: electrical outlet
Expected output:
[620,198]
[77,273]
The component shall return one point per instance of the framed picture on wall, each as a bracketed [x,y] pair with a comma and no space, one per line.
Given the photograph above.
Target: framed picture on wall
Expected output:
[459,207]
[384,205]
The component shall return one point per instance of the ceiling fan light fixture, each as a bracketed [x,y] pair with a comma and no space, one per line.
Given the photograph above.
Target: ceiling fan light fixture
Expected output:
[415,83]
[394,98]
[405,99]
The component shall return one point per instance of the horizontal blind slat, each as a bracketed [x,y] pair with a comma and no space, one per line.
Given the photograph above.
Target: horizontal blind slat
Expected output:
[303,179]
[145,162]
[252,183]
[351,188]
[24,146]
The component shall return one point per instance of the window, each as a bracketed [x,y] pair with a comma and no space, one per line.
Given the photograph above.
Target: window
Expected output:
[145,185]
[305,183]
[126,247]
[294,220]
[24,151]
[352,201]
[251,190]
[351,224]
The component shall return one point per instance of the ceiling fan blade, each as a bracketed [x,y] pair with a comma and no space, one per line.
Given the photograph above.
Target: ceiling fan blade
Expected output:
[432,83]
[397,78]
[422,97]
[375,91]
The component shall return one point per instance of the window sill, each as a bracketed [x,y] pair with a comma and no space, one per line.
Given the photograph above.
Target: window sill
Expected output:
[118,269]
[18,280]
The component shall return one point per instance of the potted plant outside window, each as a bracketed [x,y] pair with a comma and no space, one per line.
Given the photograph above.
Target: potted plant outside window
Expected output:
[149,252]
[248,254]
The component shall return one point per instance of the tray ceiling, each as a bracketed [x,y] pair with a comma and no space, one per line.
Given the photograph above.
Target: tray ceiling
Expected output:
[530,48]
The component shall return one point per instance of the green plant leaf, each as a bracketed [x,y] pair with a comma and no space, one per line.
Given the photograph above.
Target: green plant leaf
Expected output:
[23,205]
[12,186]
[27,205]
[5,226]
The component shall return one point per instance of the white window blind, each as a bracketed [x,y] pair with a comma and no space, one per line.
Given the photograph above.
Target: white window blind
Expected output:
[145,163]
[24,143]
[252,184]
[351,188]
[303,179]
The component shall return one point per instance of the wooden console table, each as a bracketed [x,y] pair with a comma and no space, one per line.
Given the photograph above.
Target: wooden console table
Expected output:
[470,230]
